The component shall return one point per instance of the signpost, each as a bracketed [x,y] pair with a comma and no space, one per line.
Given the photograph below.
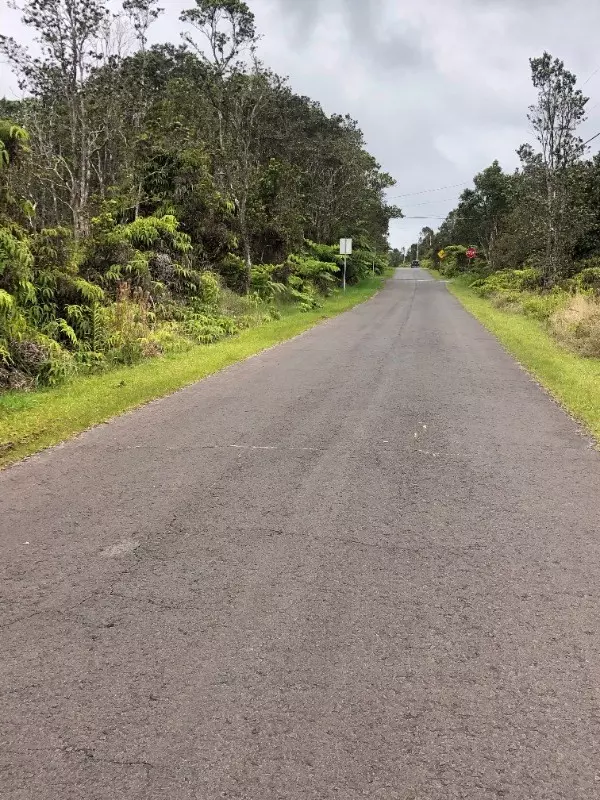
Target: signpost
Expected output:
[442,255]
[471,253]
[345,250]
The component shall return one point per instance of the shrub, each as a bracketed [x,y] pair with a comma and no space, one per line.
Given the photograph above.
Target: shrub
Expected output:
[316,274]
[130,291]
[209,289]
[455,262]
[14,380]
[510,280]
[506,299]
[588,280]
[205,329]
[41,359]
[263,284]
[543,306]
[232,269]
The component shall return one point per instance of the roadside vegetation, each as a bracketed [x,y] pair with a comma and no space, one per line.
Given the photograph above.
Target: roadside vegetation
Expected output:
[536,279]
[30,421]
[157,199]
[572,379]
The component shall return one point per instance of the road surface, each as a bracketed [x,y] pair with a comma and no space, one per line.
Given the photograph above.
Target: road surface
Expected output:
[365,564]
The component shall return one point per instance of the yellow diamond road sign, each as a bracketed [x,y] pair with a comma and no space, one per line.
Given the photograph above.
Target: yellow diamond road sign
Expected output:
[442,254]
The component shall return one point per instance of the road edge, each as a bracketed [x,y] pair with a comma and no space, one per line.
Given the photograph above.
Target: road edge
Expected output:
[571,381]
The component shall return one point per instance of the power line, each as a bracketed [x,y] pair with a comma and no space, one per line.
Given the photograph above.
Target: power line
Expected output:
[436,217]
[591,140]
[433,202]
[452,199]
[595,72]
[409,216]
[429,191]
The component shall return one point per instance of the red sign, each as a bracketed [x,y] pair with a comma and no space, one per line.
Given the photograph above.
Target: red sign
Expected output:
[471,253]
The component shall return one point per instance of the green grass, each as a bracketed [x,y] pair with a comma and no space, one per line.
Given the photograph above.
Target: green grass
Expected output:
[32,421]
[572,380]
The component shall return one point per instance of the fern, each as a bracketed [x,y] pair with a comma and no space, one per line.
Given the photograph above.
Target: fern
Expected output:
[67,331]
[60,327]
[26,292]
[114,274]
[7,302]
[89,291]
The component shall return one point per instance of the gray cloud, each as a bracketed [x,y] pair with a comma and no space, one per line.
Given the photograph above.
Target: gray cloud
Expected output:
[441,87]
[361,21]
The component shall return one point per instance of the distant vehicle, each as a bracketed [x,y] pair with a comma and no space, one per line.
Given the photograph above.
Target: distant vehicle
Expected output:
[415,264]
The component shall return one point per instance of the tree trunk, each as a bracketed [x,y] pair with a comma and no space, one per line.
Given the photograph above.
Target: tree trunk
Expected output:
[549,268]
[246,245]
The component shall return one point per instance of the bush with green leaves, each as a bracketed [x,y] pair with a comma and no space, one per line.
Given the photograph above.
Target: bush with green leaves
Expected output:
[588,279]
[130,291]
[314,274]
[455,261]
[150,253]
[209,290]
[510,280]
[264,286]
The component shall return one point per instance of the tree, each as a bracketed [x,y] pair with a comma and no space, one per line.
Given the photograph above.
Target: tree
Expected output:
[553,198]
[426,236]
[482,210]
[68,33]
[396,258]
[228,28]
[202,131]
[142,14]
[588,243]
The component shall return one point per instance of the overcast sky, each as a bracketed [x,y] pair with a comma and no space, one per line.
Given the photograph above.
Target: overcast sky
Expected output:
[440,87]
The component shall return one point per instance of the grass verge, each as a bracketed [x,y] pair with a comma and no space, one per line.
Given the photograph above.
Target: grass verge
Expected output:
[572,380]
[32,421]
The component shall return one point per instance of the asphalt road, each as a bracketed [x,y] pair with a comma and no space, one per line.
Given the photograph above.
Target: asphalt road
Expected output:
[365,564]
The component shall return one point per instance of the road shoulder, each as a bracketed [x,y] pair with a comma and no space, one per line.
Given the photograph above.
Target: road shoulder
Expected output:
[573,381]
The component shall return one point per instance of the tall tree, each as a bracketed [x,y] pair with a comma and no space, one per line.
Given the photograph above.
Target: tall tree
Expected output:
[228,33]
[142,14]
[555,204]
[68,34]
[481,210]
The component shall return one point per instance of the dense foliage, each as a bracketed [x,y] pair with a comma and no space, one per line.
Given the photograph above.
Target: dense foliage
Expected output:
[155,197]
[537,231]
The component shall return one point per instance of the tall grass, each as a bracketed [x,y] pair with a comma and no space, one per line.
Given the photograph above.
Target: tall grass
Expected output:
[577,325]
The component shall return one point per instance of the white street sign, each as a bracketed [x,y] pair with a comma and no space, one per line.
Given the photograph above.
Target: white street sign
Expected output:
[346,247]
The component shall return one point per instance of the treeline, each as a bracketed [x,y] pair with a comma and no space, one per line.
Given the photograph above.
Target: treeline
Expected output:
[546,215]
[141,187]
[537,230]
